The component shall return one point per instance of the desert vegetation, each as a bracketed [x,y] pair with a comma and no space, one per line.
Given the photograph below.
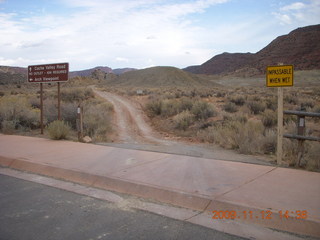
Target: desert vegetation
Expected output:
[242,119]
[20,112]
[239,118]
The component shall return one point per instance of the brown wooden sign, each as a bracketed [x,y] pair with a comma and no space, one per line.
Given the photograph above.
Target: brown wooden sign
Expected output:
[57,72]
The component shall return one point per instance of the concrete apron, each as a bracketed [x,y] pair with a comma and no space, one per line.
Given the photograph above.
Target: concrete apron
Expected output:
[194,201]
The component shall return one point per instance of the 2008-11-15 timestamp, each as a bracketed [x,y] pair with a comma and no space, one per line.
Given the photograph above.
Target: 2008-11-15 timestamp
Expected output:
[264,215]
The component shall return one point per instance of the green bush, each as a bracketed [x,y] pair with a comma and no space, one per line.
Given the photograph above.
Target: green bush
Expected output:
[183,120]
[58,130]
[202,110]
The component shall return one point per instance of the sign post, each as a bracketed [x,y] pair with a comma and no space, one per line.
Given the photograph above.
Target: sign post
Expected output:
[48,73]
[280,76]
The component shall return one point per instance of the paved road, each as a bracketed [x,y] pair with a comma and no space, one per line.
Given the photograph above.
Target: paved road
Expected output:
[34,211]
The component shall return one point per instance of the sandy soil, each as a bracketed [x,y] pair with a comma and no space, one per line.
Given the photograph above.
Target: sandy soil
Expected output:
[134,131]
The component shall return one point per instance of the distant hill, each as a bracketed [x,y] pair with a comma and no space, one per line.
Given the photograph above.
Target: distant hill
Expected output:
[300,47]
[160,77]
[12,75]
[15,75]
[88,72]
[105,70]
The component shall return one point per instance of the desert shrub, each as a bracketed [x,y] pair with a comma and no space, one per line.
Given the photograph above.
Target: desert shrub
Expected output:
[238,117]
[8,127]
[316,109]
[69,113]
[203,110]
[269,118]
[185,104]
[230,107]
[291,99]
[97,119]
[169,107]
[308,104]
[244,137]
[272,103]
[19,110]
[58,130]
[269,142]
[76,94]
[35,102]
[50,110]
[221,94]
[154,107]
[183,120]
[238,100]
[312,156]
[256,107]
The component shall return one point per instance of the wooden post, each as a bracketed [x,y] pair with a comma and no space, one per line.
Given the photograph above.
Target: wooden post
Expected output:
[280,125]
[41,107]
[301,125]
[80,123]
[59,100]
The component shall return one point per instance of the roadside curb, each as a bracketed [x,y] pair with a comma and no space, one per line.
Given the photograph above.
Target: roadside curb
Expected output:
[204,204]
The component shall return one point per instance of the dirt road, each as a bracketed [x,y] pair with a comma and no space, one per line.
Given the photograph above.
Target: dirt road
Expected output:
[133,131]
[129,122]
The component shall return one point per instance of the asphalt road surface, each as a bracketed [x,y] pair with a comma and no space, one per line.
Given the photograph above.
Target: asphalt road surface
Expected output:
[33,211]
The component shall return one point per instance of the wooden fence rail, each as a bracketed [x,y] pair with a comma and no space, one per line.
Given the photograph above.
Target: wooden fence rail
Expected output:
[301,129]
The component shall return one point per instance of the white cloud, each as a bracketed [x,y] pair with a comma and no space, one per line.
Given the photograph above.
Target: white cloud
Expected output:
[305,13]
[127,33]
[293,6]
[97,31]
[121,59]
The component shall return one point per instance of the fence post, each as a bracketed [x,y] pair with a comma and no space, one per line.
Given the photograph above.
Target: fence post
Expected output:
[79,123]
[301,126]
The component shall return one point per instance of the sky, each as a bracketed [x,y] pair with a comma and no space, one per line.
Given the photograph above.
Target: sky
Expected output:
[143,33]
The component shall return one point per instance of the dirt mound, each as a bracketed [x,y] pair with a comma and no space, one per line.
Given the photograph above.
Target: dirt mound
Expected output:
[160,77]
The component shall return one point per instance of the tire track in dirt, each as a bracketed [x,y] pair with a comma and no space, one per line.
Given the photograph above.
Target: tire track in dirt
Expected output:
[129,120]
[134,132]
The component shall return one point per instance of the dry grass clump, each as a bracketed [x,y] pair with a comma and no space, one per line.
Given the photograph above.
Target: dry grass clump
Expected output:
[256,107]
[172,107]
[269,118]
[230,107]
[16,113]
[238,100]
[203,110]
[97,118]
[76,94]
[183,120]
[247,137]
[58,130]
